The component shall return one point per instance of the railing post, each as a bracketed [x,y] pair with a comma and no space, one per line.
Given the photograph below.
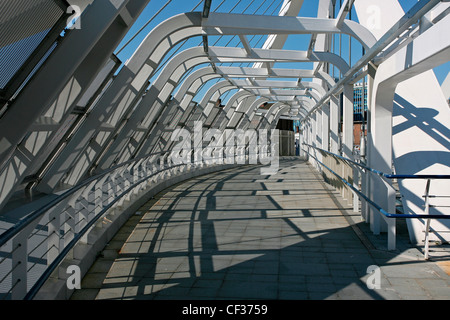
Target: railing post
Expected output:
[392,233]
[334,167]
[109,192]
[54,227]
[19,263]
[68,221]
[343,174]
[364,190]
[116,183]
[136,174]
[68,225]
[100,194]
[379,196]
[356,186]
[85,206]
[391,222]
[19,266]
[427,238]
[428,222]
[119,184]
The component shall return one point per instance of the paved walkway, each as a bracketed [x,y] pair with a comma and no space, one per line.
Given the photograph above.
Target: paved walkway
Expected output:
[239,235]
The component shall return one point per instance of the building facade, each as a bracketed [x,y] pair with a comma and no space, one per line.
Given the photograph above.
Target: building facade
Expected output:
[359,102]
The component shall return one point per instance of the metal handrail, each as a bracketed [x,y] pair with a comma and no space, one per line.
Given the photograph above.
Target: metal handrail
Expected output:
[369,201]
[380,173]
[37,215]
[160,162]
[14,230]
[49,270]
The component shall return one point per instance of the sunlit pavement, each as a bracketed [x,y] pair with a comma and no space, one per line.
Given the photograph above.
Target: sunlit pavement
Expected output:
[239,235]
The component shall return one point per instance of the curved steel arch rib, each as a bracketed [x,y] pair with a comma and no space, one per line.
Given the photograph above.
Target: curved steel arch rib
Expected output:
[140,68]
[246,72]
[146,59]
[150,107]
[224,115]
[268,117]
[166,83]
[241,24]
[55,91]
[236,98]
[119,99]
[246,113]
[230,55]
[303,104]
[275,116]
[192,84]
[178,108]
[204,112]
[270,88]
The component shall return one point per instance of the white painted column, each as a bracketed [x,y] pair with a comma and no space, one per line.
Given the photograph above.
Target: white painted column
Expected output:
[378,19]
[366,210]
[319,137]
[347,136]
[334,122]
[347,117]
[380,157]
[326,127]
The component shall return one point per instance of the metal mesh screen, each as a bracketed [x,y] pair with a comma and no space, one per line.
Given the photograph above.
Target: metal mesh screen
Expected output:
[24,24]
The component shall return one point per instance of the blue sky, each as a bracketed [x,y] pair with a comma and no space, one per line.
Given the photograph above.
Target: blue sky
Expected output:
[295,42]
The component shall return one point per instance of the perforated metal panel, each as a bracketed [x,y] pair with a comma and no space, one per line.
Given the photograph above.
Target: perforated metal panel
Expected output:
[24,25]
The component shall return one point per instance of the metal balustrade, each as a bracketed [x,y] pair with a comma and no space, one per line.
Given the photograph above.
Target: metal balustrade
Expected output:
[32,250]
[357,188]
[46,145]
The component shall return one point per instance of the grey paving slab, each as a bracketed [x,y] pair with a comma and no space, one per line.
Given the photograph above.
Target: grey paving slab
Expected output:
[239,235]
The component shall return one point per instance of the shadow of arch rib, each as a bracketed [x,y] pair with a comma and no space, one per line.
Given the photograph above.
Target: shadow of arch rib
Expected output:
[239,235]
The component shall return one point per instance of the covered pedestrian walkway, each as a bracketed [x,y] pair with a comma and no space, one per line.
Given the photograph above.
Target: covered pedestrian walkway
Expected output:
[143,148]
[238,235]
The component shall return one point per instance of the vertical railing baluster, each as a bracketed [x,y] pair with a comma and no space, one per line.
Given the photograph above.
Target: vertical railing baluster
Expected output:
[19,264]
[391,222]
[53,232]
[356,186]
[428,221]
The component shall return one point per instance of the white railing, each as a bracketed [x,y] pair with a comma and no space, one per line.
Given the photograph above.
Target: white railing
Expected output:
[357,185]
[32,249]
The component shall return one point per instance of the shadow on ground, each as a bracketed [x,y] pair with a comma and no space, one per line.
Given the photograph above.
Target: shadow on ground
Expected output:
[239,235]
